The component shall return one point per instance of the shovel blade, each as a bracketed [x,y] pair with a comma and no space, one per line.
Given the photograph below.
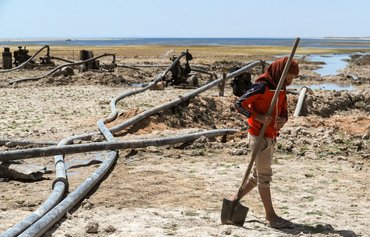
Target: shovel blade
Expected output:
[233,213]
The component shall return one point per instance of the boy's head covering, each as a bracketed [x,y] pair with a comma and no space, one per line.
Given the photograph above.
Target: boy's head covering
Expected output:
[274,71]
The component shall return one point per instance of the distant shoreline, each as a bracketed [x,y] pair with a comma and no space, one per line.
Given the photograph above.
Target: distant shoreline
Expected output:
[348,38]
[340,43]
[180,38]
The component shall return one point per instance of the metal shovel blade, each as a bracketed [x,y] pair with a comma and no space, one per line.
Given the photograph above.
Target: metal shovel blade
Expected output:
[233,213]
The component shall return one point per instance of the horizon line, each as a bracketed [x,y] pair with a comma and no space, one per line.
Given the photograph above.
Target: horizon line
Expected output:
[130,38]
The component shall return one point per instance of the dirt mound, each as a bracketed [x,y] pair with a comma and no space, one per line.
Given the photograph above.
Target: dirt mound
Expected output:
[87,78]
[360,59]
[327,103]
[200,112]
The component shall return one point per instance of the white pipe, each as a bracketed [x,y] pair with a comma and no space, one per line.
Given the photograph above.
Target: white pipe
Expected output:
[301,99]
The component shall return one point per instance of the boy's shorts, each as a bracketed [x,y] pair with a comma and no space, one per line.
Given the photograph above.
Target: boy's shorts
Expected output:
[262,172]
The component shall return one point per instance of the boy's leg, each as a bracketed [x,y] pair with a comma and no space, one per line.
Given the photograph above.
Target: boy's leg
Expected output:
[264,173]
[267,202]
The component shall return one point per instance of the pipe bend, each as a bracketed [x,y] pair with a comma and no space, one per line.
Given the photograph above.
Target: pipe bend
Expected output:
[63,180]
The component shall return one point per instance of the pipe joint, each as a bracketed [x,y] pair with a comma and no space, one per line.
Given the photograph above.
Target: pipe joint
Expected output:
[63,180]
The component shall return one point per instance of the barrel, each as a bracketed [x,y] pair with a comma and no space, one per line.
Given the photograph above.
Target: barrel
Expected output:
[7,58]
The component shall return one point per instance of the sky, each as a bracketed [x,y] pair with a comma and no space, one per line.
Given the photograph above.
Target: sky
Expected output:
[64,19]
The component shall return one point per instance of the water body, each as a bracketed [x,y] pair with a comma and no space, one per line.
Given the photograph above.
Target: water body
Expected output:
[305,42]
[333,63]
[325,86]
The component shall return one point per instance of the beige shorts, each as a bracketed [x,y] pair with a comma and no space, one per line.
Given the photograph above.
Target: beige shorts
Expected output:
[262,171]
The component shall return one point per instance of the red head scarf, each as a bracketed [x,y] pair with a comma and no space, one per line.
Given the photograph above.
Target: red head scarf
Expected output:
[274,71]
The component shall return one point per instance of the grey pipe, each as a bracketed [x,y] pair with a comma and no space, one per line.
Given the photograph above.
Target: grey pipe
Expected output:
[53,199]
[81,148]
[60,187]
[301,99]
[50,218]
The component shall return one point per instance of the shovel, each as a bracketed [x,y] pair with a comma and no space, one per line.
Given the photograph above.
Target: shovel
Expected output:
[233,212]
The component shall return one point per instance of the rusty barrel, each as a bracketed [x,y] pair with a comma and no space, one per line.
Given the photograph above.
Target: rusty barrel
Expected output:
[7,58]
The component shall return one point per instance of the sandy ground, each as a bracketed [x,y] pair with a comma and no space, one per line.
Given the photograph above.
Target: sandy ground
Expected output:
[321,167]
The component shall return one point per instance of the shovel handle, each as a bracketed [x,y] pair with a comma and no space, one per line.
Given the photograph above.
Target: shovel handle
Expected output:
[269,112]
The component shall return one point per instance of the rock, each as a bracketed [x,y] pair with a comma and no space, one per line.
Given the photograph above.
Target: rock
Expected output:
[77,141]
[216,145]
[226,232]
[159,86]
[197,153]
[358,144]
[16,170]
[366,136]
[242,144]
[10,144]
[153,149]
[110,229]
[69,216]
[87,205]
[97,138]
[68,71]
[342,158]
[239,152]
[358,165]
[289,147]
[92,227]
[295,132]
[200,142]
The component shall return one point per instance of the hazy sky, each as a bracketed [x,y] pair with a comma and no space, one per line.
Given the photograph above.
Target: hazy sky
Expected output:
[184,18]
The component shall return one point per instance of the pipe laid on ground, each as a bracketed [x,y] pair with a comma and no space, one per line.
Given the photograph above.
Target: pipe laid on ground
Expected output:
[155,110]
[28,60]
[81,148]
[58,68]
[60,185]
[72,199]
[61,59]
[181,99]
[301,99]
[57,194]
[50,218]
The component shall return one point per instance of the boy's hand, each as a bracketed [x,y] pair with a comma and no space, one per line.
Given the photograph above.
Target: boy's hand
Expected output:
[264,119]
[280,121]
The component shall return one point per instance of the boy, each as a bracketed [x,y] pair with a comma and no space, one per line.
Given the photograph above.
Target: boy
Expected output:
[254,104]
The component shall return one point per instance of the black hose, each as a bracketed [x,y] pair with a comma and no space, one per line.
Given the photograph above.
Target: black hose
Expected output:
[28,60]
[58,68]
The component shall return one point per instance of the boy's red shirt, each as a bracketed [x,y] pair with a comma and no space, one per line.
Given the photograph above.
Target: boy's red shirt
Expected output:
[257,100]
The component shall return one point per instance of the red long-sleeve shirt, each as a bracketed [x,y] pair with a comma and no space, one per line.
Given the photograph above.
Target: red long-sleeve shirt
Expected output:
[257,100]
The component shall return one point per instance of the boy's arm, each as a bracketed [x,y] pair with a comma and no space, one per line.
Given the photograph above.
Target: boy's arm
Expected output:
[283,116]
[242,104]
